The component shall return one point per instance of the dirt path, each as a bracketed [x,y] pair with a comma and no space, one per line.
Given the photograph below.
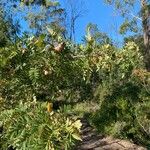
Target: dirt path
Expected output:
[93,141]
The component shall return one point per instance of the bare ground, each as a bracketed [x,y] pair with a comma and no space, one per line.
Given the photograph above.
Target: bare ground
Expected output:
[93,141]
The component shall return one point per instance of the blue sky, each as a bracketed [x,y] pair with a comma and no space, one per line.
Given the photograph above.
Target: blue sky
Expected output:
[97,12]
[101,14]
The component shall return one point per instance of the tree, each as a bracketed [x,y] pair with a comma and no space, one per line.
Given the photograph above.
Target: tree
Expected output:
[145,9]
[39,14]
[9,28]
[51,15]
[133,19]
[96,36]
[74,10]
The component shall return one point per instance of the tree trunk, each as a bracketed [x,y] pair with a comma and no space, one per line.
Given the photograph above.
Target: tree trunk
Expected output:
[146,31]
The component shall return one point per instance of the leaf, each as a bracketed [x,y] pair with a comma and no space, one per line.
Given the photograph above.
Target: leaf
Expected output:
[77,124]
[76,136]
[51,31]
[33,74]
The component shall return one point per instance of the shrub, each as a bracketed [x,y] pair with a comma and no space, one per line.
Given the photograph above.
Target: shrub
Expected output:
[124,96]
[32,68]
[125,114]
[30,126]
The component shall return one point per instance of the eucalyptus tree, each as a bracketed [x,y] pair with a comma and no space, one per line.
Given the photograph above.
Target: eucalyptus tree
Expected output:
[136,16]
[36,14]
[50,15]
[74,10]
[9,28]
[96,36]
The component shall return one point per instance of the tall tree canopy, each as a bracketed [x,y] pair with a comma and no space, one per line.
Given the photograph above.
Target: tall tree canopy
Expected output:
[135,18]
[39,14]
[9,28]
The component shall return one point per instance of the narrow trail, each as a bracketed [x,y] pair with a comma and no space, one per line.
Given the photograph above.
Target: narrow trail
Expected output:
[92,141]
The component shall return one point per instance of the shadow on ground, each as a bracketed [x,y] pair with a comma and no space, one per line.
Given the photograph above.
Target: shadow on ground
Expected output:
[93,141]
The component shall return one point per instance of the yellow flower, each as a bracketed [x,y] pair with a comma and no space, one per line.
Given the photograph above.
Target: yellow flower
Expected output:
[49,107]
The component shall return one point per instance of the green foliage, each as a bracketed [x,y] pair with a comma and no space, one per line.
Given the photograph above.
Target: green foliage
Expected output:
[52,15]
[56,70]
[9,28]
[129,26]
[131,16]
[36,14]
[32,67]
[121,87]
[127,102]
[96,79]
[93,35]
[30,126]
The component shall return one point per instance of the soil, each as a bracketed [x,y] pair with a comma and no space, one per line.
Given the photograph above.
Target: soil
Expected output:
[91,140]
